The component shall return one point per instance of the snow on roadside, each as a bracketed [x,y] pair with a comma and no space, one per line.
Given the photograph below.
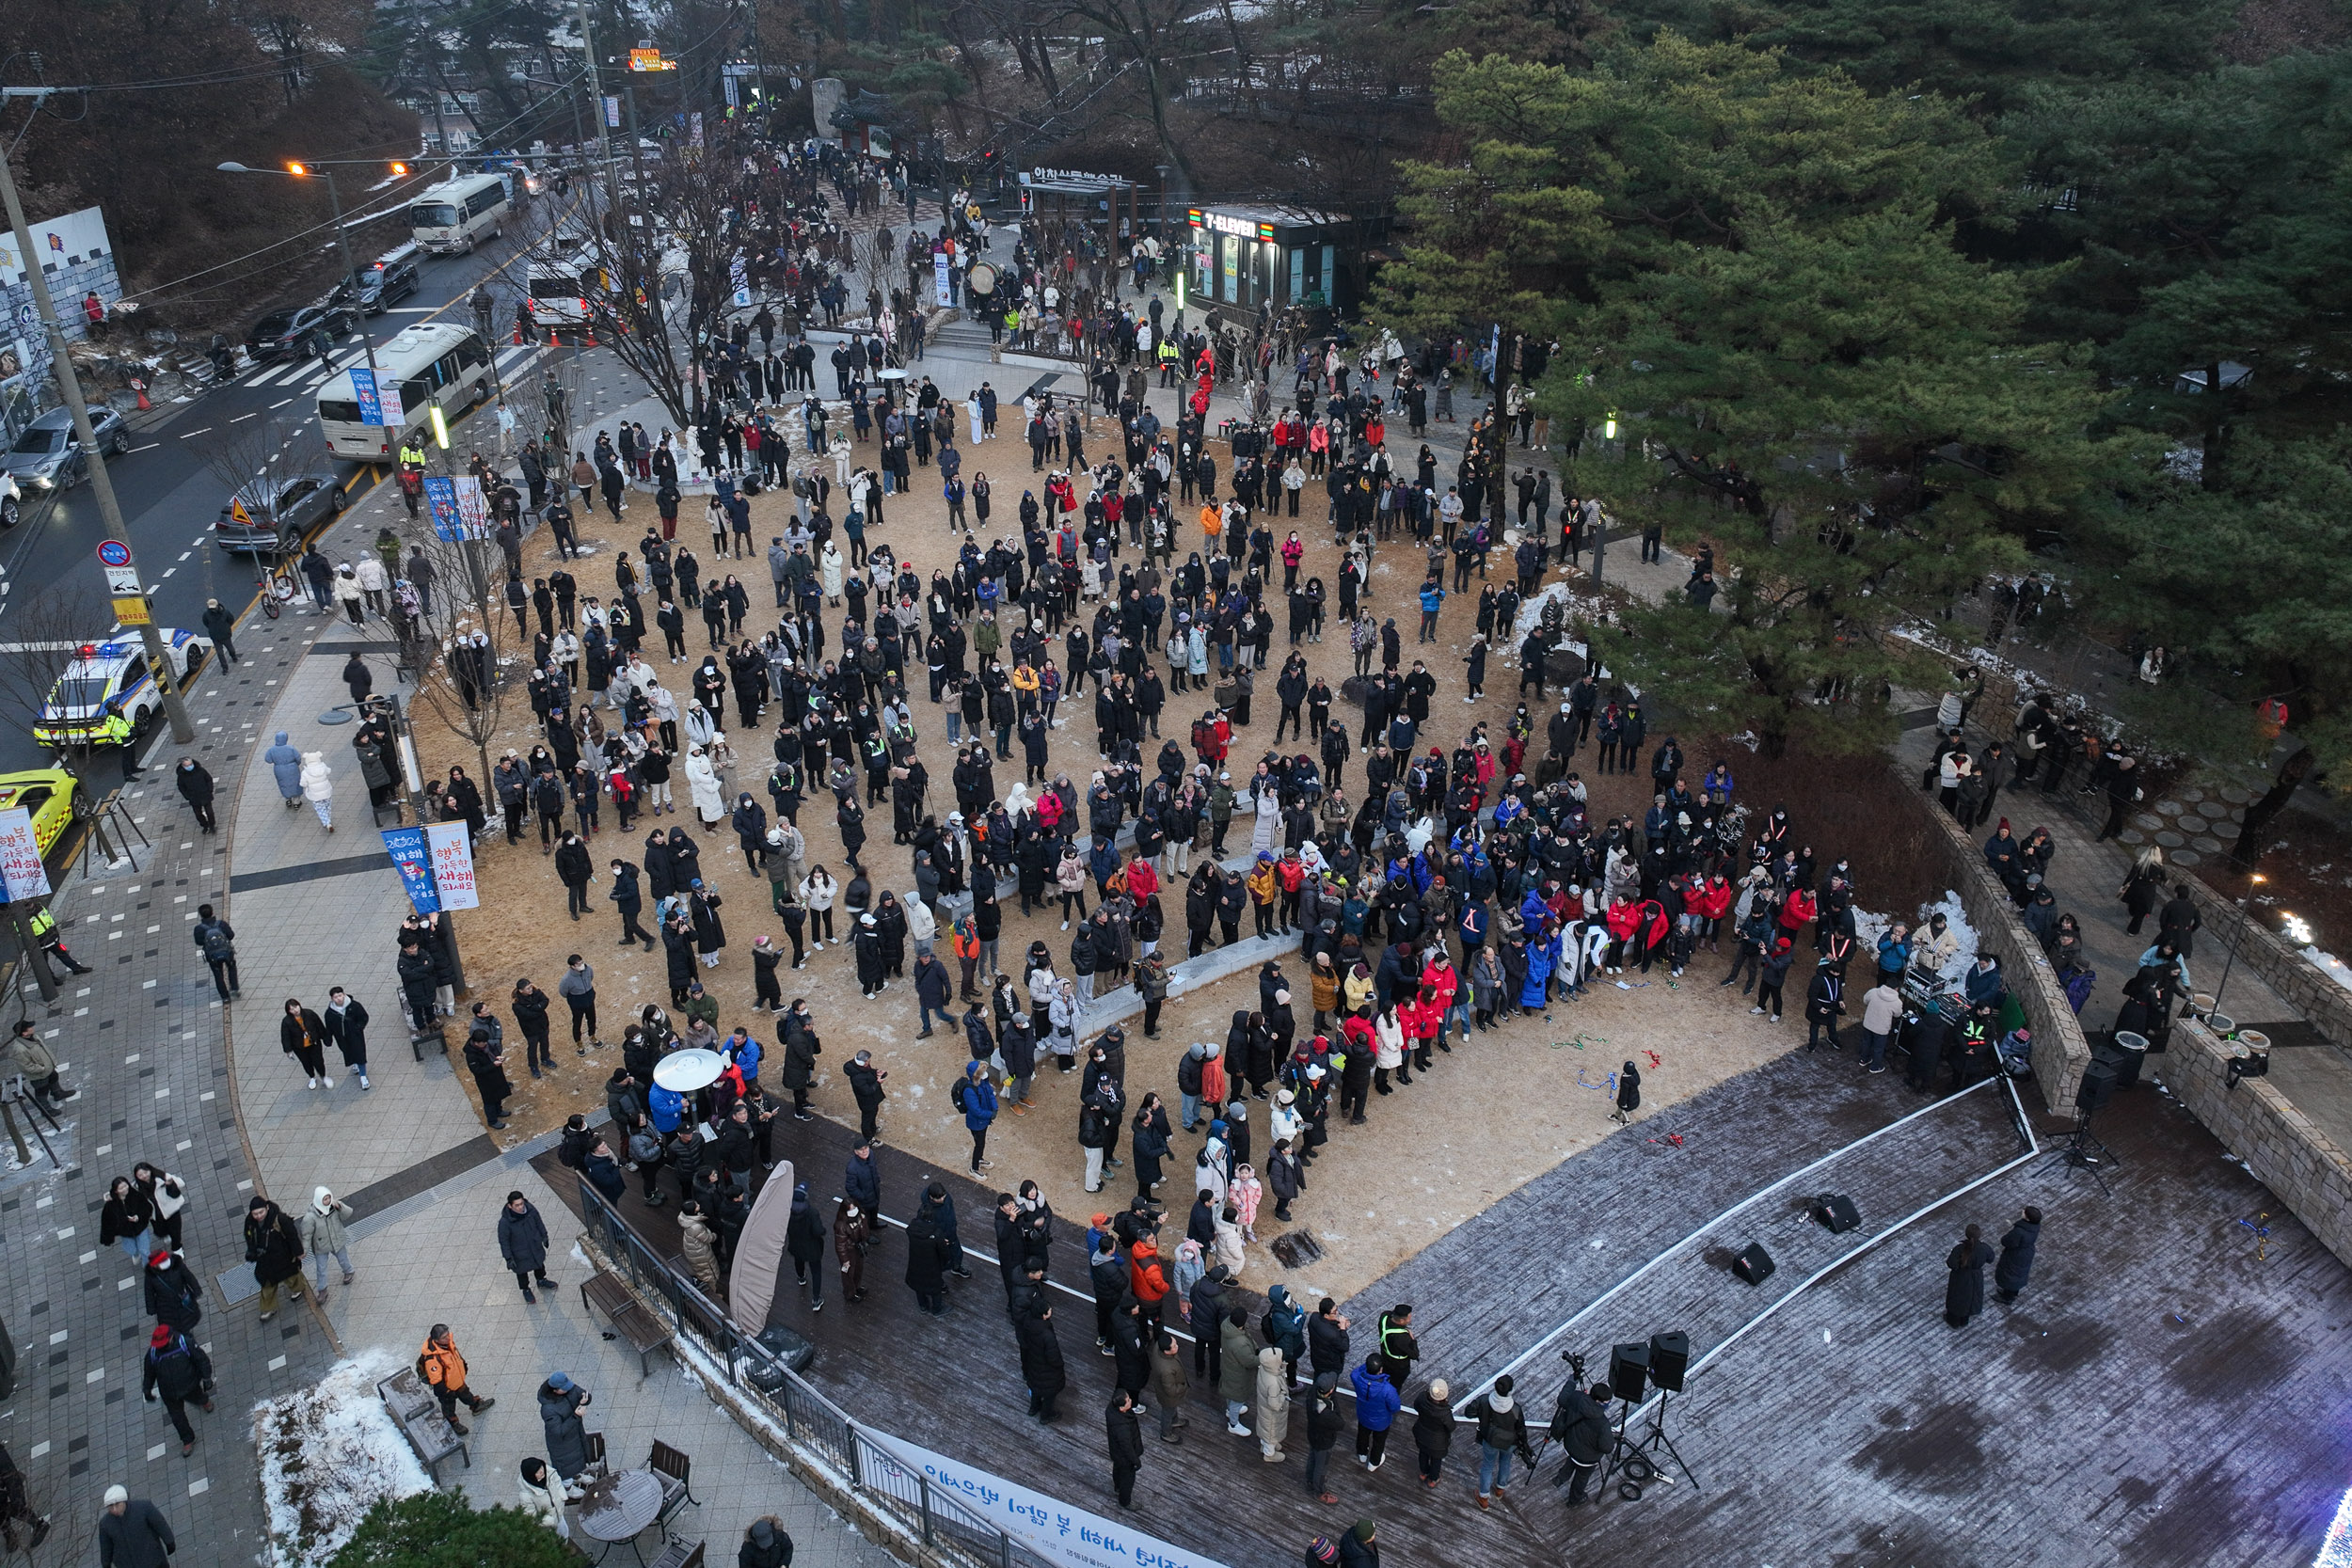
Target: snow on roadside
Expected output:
[328,1453]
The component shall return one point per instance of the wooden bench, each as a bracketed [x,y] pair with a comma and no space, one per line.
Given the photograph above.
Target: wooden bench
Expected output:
[417,1411]
[604,1292]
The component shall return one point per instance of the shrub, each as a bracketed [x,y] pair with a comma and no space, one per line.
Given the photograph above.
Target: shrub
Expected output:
[437,1529]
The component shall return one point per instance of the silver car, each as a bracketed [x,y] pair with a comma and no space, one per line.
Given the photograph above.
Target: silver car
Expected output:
[45,457]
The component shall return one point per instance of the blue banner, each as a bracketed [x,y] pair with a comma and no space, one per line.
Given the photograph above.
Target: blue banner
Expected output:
[448,524]
[413,859]
[363,389]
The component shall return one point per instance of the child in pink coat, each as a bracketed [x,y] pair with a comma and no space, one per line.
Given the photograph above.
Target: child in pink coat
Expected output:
[1243,1195]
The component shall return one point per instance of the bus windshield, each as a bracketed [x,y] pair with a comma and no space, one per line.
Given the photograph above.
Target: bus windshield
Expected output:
[433,214]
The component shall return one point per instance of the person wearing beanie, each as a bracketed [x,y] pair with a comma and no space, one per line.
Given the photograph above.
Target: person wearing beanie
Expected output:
[765,1544]
[561,1401]
[1360,1547]
[1321,1553]
[177,1371]
[132,1534]
[1326,1420]
[1502,1427]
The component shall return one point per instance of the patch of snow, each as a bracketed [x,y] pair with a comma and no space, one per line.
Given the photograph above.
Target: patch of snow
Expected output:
[328,1454]
[2330,965]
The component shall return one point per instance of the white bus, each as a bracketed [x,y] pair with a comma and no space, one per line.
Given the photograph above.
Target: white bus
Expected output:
[436,363]
[451,218]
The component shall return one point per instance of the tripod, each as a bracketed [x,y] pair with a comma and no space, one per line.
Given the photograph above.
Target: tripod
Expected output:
[2084,1151]
[1655,1442]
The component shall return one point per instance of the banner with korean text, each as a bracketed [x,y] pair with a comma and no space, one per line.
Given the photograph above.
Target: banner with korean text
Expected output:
[1045,1524]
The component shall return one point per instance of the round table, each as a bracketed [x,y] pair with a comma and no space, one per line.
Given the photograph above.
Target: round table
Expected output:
[619,1507]
[684,1071]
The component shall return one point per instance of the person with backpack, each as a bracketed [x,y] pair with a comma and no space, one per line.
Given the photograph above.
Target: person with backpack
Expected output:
[218,940]
[177,1371]
[442,1368]
[976,1097]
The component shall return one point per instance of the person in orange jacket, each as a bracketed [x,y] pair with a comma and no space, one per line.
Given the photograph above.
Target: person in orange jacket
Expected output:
[1147,1279]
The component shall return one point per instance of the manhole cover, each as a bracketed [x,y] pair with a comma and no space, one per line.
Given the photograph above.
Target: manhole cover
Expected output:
[2185,857]
[2171,840]
[2147,821]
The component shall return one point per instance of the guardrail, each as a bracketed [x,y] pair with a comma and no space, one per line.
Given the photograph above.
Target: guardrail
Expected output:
[901,1497]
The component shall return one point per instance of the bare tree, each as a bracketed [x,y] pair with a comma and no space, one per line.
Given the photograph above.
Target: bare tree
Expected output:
[44,634]
[465,652]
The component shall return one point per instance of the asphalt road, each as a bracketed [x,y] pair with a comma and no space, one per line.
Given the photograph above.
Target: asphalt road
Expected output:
[169,496]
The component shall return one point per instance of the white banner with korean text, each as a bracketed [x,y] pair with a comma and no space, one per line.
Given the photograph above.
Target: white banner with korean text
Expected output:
[1046,1525]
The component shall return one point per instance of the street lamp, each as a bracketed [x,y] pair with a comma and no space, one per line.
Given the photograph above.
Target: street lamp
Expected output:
[298,170]
[2238,934]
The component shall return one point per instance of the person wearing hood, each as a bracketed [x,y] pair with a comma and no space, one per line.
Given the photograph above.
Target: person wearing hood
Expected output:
[523,1246]
[1502,1432]
[765,1544]
[804,1244]
[536,1493]
[323,1236]
[318,787]
[194,784]
[1042,1367]
[1376,1404]
[2017,1247]
[286,765]
[561,1401]
[702,782]
[1274,1405]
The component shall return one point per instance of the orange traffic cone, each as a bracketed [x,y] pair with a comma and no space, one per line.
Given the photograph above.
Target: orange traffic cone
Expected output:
[140,388]
[587,335]
[518,334]
[554,339]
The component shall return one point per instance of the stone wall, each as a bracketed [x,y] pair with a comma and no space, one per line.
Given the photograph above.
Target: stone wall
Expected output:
[2060,1051]
[2307,1170]
[2299,983]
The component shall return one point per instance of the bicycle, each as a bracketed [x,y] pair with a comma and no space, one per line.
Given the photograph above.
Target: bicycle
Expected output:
[277,591]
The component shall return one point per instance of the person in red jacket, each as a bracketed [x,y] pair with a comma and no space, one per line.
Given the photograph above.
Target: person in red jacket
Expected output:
[1147,1279]
[1625,919]
[1713,904]
[1797,912]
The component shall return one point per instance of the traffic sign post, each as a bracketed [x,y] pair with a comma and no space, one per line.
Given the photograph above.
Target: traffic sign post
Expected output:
[132,609]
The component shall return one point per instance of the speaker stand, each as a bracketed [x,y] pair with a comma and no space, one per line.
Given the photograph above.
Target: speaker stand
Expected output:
[1619,1451]
[1655,1441]
[2082,1151]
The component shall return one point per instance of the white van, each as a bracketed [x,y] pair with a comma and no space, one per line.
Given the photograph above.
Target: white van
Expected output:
[451,218]
[558,288]
[435,363]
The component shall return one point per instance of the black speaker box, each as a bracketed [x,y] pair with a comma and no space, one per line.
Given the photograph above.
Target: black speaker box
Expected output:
[2097,1085]
[1836,1211]
[1629,1369]
[1754,1264]
[1669,1359]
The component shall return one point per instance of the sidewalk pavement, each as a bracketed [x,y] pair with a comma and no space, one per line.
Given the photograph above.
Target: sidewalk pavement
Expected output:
[437,1260]
[141,1038]
[312,909]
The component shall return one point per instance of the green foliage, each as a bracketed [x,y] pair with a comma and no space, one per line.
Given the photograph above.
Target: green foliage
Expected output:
[1753,272]
[438,1532]
[437,1529]
[1985,51]
[2252,579]
[2209,223]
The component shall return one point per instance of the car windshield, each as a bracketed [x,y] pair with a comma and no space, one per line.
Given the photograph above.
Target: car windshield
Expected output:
[554,285]
[83,690]
[40,440]
[431,214]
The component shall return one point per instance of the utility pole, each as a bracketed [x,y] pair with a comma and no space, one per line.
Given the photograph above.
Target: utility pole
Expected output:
[102,487]
[596,92]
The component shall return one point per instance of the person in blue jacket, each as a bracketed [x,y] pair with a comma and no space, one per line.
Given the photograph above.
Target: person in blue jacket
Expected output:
[666,1107]
[1376,1404]
[977,1099]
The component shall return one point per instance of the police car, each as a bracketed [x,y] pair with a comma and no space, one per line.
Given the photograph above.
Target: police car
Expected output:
[107,696]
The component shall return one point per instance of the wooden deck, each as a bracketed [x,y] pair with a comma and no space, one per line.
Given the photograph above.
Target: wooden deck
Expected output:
[2157,1397]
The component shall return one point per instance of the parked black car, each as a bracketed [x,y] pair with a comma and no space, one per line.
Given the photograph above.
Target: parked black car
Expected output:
[278,514]
[284,332]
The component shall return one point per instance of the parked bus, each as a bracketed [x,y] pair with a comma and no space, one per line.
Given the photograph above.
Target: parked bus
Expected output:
[435,363]
[452,217]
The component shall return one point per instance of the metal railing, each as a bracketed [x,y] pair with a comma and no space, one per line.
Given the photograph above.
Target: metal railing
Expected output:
[819,1430]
